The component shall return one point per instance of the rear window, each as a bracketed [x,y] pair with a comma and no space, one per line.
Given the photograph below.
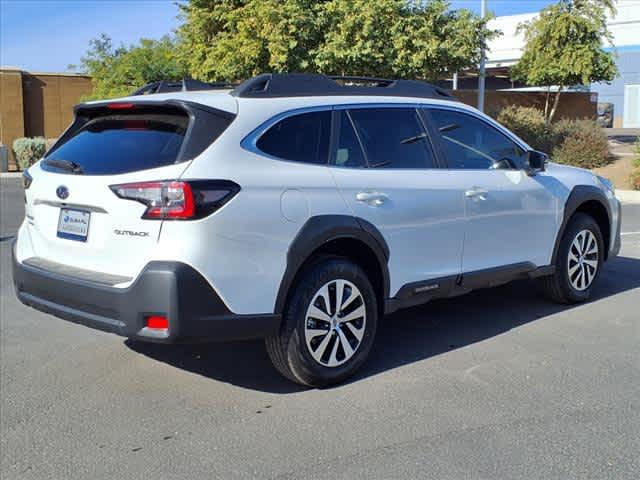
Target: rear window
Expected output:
[125,143]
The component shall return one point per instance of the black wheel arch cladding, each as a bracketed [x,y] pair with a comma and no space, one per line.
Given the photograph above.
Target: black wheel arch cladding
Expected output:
[322,229]
[580,196]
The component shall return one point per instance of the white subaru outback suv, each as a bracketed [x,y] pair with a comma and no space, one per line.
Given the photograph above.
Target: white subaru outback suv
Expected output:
[299,209]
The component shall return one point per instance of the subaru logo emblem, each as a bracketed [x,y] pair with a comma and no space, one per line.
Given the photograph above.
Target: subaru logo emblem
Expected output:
[62,192]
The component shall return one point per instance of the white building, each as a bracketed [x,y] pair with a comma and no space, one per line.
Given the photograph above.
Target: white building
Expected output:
[623,92]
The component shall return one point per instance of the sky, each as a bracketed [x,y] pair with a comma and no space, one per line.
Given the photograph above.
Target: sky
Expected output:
[50,35]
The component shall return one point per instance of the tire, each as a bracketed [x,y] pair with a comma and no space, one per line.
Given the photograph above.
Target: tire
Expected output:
[565,285]
[301,351]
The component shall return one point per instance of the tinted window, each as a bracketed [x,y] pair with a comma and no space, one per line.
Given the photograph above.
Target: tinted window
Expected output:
[393,137]
[300,138]
[348,151]
[112,145]
[471,143]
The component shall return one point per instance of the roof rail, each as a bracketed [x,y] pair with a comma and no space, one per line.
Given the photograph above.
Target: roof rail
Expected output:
[274,85]
[184,85]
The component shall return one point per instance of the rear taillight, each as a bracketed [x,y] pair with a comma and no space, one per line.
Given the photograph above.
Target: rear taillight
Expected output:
[178,200]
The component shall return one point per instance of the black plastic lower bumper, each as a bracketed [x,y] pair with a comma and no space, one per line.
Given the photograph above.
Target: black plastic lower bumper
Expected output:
[171,289]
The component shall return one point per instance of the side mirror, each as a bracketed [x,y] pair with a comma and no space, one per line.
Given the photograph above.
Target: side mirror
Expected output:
[536,162]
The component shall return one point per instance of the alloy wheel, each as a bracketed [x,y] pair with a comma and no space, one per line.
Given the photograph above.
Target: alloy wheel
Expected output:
[582,263]
[335,323]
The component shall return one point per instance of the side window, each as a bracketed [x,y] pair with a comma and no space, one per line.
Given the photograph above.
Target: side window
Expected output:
[473,144]
[348,152]
[299,138]
[393,137]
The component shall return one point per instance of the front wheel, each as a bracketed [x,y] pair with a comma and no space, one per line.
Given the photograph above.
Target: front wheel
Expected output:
[329,325]
[578,263]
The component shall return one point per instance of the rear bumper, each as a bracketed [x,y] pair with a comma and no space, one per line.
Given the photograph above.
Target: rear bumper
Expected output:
[171,289]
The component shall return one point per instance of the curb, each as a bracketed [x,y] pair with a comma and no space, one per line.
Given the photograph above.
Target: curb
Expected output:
[628,196]
[10,174]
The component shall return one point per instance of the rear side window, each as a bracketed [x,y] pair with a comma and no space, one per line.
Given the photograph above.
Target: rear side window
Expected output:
[299,138]
[393,137]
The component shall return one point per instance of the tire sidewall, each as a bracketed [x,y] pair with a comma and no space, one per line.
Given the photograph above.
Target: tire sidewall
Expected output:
[302,363]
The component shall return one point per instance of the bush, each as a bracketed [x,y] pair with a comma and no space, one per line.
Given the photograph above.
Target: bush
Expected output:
[581,143]
[635,175]
[29,150]
[528,123]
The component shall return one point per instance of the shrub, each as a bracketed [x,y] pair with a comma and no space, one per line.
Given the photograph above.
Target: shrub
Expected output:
[528,123]
[635,175]
[29,150]
[581,143]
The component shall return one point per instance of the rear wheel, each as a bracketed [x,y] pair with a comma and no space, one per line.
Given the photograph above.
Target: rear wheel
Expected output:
[328,327]
[578,263]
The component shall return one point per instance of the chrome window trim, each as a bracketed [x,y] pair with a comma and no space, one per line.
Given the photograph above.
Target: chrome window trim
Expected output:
[249,142]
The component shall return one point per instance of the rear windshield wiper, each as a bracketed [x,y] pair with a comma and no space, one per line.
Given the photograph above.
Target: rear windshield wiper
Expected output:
[64,165]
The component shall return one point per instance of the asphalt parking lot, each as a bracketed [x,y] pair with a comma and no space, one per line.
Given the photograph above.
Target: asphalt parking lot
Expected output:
[500,384]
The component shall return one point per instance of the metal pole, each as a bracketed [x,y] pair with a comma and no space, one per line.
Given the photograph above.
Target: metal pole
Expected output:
[455,81]
[481,74]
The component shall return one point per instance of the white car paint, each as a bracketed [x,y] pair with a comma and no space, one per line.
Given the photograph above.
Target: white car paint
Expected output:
[432,228]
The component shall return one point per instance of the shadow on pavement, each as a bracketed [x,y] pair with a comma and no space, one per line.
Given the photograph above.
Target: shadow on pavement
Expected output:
[405,337]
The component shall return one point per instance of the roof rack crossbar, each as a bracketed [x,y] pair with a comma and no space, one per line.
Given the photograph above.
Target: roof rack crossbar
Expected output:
[275,85]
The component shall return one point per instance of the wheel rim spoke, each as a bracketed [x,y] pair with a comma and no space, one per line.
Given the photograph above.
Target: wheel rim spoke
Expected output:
[339,295]
[573,269]
[357,313]
[315,312]
[314,332]
[333,360]
[591,263]
[357,332]
[344,342]
[588,274]
[322,348]
[324,294]
[335,325]
[349,300]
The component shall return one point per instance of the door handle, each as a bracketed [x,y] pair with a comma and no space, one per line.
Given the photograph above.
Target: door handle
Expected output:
[372,198]
[476,192]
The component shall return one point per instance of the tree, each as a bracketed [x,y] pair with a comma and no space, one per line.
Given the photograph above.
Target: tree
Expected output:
[564,47]
[226,40]
[399,38]
[118,71]
[231,40]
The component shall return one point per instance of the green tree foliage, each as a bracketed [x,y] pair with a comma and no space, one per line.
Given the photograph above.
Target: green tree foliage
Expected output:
[398,38]
[564,47]
[119,71]
[235,39]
